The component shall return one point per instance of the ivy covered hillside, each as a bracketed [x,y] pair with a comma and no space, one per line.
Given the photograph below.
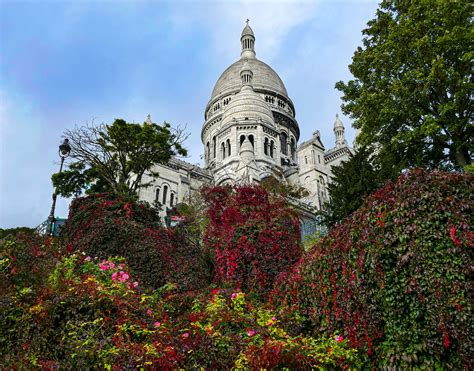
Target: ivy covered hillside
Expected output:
[232,287]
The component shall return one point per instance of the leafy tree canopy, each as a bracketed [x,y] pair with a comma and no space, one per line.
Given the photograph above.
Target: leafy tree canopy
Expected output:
[352,181]
[412,86]
[117,157]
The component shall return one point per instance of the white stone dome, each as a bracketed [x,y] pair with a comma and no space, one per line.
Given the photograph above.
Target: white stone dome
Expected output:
[247,104]
[264,78]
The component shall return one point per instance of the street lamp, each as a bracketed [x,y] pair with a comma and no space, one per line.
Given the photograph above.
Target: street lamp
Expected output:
[64,151]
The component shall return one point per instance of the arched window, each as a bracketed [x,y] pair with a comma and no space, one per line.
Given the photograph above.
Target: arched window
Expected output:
[157,195]
[265,146]
[293,148]
[223,150]
[228,147]
[272,145]
[318,189]
[214,147]
[171,199]
[251,140]
[313,156]
[284,143]
[208,151]
[319,158]
[306,160]
[242,138]
[165,194]
[322,190]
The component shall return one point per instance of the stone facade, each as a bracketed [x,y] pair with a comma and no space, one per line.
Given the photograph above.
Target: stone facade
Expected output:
[250,133]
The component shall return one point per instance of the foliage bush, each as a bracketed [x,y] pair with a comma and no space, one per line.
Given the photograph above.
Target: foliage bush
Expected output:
[24,259]
[254,236]
[92,313]
[395,277]
[105,225]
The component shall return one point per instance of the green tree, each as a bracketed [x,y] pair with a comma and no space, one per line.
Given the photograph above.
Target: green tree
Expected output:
[117,157]
[352,181]
[14,231]
[412,86]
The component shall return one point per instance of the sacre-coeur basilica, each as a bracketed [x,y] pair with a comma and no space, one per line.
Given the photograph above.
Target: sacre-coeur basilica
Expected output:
[250,133]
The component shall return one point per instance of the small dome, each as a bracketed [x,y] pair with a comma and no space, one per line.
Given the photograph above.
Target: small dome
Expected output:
[247,31]
[246,153]
[246,146]
[247,104]
[338,123]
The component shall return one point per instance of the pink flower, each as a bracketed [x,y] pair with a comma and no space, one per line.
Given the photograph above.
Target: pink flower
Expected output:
[88,259]
[186,335]
[103,266]
[123,277]
[250,332]
[233,296]
[135,284]
[269,323]
[157,324]
[339,339]
[215,291]
[274,319]
[114,276]
[149,312]
[111,265]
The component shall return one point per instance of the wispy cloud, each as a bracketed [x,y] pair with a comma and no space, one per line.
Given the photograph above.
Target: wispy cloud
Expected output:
[65,63]
[224,20]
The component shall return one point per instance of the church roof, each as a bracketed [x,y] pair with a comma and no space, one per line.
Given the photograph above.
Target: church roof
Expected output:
[264,78]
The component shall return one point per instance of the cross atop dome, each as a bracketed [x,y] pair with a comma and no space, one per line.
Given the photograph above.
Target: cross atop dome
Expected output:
[247,40]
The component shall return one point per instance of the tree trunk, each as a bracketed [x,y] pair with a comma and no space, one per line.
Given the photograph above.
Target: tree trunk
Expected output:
[462,156]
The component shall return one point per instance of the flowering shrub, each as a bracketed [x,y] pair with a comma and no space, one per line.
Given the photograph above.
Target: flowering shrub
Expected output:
[394,278]
[92,313]
[229,329]
[105,225]
[253,236]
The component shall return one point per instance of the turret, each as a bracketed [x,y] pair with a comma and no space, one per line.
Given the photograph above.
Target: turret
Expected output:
[339,132]
[247,39]
[246,75]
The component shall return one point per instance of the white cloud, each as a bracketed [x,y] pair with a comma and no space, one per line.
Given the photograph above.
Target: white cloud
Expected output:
[270,20]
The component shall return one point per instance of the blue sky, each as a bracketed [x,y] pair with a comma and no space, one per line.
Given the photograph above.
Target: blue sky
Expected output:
[68,63]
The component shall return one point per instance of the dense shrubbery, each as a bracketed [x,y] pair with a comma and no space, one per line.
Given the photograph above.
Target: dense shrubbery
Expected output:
[394,278]
[253,235]
[104,225]
[91,313]
[389,286]
[25,260]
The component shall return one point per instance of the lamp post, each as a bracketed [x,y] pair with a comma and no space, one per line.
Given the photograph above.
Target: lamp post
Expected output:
[64,151]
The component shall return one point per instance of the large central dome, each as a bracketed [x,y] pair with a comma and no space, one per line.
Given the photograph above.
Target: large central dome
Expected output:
[264,78]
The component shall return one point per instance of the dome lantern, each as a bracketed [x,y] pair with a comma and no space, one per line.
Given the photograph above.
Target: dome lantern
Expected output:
[247,39]
[246,74]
